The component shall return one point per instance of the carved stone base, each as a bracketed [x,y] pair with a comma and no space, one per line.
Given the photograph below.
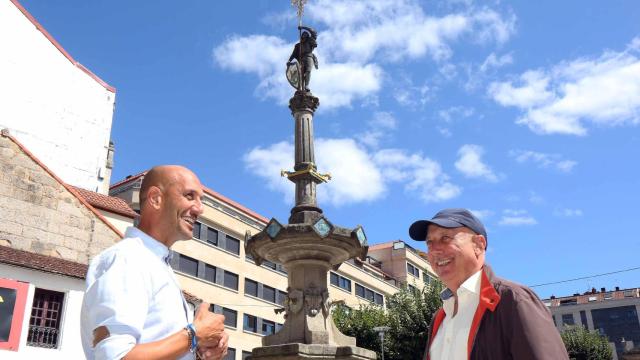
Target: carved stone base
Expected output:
[311,351]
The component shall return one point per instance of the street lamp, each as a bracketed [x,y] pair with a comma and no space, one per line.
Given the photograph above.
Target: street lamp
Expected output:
[381,330]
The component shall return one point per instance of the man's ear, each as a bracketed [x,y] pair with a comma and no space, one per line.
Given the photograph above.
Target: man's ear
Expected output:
[479,244]
[154,197]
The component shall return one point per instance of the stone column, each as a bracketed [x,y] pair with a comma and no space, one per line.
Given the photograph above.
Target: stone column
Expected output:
[303,105]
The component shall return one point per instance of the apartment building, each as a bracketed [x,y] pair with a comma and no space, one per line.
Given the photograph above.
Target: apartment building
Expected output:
[614,313]
[214,267]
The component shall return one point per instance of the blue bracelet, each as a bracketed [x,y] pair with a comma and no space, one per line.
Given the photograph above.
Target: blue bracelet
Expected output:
[194,340]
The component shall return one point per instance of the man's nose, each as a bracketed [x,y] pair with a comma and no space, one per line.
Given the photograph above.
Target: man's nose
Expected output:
[198,208]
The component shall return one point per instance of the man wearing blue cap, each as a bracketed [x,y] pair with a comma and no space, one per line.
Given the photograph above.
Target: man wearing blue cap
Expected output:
[483,316]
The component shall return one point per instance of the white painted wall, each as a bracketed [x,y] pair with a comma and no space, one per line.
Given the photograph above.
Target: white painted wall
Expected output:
[57,110]
[70,345]
[120,222]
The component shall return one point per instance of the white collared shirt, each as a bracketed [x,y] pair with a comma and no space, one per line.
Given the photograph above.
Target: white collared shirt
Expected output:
[450,342]
[131,289]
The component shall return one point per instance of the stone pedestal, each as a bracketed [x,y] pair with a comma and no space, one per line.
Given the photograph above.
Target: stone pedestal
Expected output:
[311,351]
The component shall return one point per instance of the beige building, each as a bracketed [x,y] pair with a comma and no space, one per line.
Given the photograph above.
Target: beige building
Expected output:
[614,313]
[214,267]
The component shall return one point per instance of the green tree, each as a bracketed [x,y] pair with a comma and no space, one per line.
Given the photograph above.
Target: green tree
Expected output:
[359,323]
[582,344]
[410,312]
[408,315]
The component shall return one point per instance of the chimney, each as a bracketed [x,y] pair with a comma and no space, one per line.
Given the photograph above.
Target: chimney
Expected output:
[553,297]
[593,290]
[602,289]
[617,288]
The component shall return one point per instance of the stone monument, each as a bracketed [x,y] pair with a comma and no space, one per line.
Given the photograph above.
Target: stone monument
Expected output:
[309,245]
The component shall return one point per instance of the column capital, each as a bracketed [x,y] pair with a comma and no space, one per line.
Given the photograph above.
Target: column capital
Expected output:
[303,101]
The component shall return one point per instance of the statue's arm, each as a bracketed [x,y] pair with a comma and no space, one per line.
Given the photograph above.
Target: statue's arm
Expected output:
[294,52]
[314,34]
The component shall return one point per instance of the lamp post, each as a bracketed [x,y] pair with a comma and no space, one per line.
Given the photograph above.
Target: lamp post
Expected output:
[381,330]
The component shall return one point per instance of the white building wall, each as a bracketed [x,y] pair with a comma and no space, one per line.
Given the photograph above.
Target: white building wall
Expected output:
[70,345]
[59,111]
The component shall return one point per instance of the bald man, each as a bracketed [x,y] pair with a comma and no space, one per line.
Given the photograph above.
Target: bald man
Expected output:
[133,307]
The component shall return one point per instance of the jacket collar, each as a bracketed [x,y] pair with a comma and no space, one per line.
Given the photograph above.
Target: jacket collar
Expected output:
[489,299]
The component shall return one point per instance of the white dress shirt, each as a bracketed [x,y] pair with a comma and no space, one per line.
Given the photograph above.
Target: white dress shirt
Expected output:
[131,289]
[450,342]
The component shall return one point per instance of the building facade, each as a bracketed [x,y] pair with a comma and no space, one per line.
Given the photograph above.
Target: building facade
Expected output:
[53,104]
[213,266]
[614,313]
[48,233]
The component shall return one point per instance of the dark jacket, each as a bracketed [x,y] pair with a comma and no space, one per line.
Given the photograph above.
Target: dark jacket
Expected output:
[510,323]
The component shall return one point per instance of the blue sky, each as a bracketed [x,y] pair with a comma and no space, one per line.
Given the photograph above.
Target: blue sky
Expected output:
[525,112]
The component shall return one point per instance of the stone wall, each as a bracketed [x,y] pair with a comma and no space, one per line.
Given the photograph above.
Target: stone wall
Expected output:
[39,214]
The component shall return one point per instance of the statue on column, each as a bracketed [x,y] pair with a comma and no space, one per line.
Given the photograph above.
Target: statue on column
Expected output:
[299,74]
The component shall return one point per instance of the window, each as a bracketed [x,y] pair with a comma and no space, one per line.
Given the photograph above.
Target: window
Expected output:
[231,354]
[567,319]
[583,318]
[282,296]
[250,287]
[268,327]
[232,245]
[426,278]
[413,270]
[268,293]
[230,280]
[245,354]
[269,264]
[334,279]
[230,317]
[196,230]
[46,315]
[188,265]
[369,294]
[378,299]
[210,273]
[250,323]
[212,236]
[340,281]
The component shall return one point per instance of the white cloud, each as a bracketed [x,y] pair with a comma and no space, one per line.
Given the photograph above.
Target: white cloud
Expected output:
[357,175]
[512,217]
[543,160]
[568,96]
[419,174]
[356,37]
[337,84]
[455,112]
[379,127]
[471,165]
[567,212]
[493,62]
[482,214]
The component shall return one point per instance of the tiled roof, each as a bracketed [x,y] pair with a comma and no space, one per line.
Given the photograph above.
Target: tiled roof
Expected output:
[42,262]
[127,179]
[108,203]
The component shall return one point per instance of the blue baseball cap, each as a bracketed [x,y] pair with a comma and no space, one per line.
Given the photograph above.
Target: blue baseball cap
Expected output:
[448,218]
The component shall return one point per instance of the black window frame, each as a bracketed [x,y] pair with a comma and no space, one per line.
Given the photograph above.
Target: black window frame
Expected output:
[229,275]
[248,281]
[246,323]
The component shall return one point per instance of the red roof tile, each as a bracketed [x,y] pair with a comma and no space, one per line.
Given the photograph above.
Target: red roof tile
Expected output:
[42,262]
[108,203]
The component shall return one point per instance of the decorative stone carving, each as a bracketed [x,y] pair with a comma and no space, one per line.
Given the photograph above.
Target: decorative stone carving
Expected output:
[316,299]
